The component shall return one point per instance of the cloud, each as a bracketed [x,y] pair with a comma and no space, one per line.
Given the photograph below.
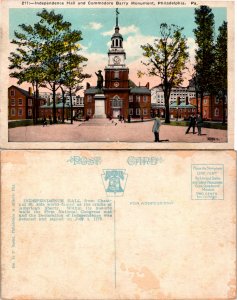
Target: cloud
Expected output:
[192,46]
[95,26]
[124,31]
[132,45]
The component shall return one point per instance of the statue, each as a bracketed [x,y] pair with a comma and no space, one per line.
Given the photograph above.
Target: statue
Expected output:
[100,79]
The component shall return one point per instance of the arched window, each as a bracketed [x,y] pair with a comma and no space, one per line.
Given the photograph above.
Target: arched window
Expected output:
[120,43]
[117,102]
[116,42]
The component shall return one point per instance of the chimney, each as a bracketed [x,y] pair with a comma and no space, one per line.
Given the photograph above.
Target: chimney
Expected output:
[88,85]
[148,85]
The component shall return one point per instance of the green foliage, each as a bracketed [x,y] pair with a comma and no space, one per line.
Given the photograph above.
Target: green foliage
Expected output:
[167,58]
[204,37]
[221,60]
[47,54]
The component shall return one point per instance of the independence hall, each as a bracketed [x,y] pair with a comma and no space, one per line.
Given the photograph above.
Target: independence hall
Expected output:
[115,95]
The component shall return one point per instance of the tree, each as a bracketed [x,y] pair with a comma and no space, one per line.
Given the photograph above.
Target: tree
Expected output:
[26,62]
[71,69]
[45,41]
[221,66]
[167,58]
[204,56]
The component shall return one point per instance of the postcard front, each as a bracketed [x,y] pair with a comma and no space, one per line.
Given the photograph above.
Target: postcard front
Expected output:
[117,75]
[146,225]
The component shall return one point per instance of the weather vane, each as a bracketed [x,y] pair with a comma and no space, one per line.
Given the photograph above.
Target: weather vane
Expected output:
[117,13]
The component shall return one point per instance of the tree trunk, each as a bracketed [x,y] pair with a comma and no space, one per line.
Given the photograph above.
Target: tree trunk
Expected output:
[223,108]
[197,101]
[37,103]
[33,106]
[63,106]
[201,104]
[54,105]
[167,107]
[70,91]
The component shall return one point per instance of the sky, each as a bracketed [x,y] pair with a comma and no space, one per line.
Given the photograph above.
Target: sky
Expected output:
[137,25]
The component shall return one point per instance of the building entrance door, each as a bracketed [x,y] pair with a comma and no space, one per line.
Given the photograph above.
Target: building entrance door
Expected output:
[116,112]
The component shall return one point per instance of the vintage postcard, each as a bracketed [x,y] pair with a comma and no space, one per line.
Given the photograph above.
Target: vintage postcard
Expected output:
[117,74]
[146,225]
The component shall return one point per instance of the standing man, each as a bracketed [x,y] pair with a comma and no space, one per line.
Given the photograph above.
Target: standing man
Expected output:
[156,128]
[192,123]
[199,124]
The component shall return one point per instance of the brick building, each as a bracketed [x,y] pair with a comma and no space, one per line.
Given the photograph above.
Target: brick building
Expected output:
[21,104]
[212,108]
[120,95]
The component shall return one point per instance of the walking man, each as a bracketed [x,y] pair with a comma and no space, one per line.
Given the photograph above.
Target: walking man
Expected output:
[156,128]
[192,123]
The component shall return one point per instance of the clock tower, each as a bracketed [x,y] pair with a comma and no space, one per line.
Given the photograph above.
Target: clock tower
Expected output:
[115,95]
[116,73]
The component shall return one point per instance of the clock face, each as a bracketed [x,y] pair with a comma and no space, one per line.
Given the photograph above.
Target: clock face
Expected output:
[116,84]
[116,59]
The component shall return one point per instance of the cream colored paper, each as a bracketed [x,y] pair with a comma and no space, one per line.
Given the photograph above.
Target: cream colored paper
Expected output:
[167,231]
[65,143]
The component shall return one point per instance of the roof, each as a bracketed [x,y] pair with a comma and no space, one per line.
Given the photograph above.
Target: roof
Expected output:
[182,105]
[157,105]
[140,90]
[58,105]
[92,90]
[24,92]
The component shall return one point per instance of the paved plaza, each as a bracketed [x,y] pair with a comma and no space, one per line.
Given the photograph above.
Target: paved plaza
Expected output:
[112,131]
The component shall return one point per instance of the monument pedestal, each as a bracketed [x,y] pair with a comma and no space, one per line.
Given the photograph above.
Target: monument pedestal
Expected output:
[99,106]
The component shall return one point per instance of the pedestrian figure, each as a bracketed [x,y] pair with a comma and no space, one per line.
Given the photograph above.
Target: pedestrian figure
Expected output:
[129,118]
[199,124]
[156,128]
[44,122]
[192,123]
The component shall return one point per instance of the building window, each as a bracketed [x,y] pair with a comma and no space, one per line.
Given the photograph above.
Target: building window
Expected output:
[116,74]
[20,112]
[13,112]
[89,111]
[117,102]
[217,101]
[89,98]
[216,112]
[138,111]
[144,98]
[30,102]
[130,111]
[20,102]
[29,112]
[144,111]
[13,102]
[138,98]
[130,98]
[12,92]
